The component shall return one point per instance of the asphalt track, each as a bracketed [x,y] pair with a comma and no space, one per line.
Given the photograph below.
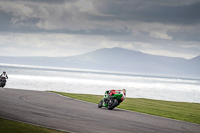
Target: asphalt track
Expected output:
[59,112]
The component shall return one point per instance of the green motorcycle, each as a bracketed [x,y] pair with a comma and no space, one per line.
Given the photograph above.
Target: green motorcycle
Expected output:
[112,99]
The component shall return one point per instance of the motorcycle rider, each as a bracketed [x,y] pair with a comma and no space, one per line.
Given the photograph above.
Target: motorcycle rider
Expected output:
[4,75]
[111,93]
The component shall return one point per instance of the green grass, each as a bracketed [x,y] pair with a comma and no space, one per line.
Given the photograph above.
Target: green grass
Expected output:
[8,126]
[189,112]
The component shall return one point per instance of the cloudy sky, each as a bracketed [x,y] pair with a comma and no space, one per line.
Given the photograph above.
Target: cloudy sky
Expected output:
[73,27]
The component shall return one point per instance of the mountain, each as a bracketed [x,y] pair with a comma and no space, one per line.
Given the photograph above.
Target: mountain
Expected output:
[117,59]
[195,60]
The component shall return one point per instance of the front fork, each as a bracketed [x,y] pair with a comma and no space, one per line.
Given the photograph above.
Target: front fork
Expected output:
[105,102]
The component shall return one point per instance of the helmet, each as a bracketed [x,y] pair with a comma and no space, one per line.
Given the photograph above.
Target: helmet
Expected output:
[4,72]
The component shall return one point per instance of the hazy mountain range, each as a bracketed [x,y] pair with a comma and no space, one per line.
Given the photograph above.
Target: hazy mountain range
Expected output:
[117,59]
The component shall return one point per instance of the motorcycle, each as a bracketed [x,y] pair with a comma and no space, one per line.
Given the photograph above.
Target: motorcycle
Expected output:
[111,101]
[2,82]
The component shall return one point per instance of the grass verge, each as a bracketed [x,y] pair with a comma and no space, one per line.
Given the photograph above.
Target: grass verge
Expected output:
[189,112]
[8,126]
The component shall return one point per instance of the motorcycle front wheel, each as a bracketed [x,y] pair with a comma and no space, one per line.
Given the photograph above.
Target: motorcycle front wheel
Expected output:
[3,85]
[100,104]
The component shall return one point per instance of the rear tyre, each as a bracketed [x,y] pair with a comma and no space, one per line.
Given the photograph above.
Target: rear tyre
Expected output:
[100,104]
[112,104]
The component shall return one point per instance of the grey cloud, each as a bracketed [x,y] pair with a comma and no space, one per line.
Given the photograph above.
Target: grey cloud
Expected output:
[24,26]
[186,35]
[148,12]
[188,14]
[5,19]
[109,18]
[41,1]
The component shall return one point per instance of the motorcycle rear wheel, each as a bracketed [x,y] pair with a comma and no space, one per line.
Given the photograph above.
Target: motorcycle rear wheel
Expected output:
[112,104]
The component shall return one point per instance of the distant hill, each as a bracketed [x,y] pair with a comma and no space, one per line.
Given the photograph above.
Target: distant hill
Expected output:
[117,59]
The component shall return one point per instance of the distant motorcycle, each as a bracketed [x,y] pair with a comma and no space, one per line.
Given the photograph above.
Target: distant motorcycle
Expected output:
[112,99]
[2,81]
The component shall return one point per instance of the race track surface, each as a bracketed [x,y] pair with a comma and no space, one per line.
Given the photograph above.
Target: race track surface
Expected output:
[55,111]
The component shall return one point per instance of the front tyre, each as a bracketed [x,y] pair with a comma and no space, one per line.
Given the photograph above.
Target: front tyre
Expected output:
[112,104]
[100,104]
[3,85]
